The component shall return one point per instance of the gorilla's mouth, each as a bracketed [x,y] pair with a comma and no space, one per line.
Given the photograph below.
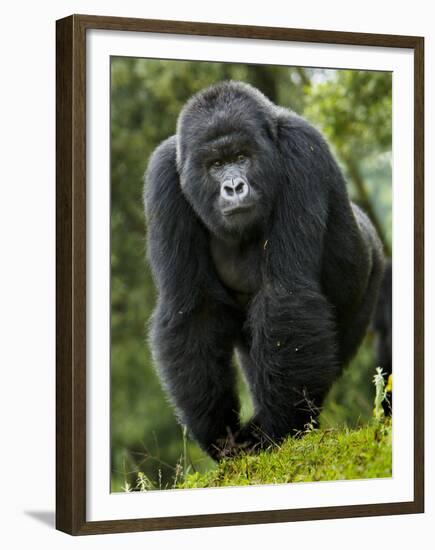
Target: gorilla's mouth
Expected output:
[240,209]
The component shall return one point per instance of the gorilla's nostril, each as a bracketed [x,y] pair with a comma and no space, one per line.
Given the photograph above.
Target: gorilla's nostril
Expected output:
[240,187]
[229,191]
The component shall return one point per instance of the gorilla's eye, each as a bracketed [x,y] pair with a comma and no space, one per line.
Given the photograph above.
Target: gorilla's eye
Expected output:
[217,163]
[241,157]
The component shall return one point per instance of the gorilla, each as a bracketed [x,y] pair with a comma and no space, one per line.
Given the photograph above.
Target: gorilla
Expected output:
[255,248]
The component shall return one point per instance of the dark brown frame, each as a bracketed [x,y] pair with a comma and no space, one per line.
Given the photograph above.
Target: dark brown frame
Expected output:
[71,273]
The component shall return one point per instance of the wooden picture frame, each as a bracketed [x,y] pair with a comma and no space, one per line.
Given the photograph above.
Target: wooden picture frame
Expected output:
[71,223]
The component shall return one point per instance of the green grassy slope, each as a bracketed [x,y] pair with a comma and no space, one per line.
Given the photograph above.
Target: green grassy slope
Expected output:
[320,455]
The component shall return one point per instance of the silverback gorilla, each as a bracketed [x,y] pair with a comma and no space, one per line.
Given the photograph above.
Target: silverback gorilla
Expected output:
[255,247]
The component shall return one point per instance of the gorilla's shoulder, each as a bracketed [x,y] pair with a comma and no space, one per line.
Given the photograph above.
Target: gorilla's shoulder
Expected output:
[161,174]
[289,121]
[163,154]
[162,163]
[294,129]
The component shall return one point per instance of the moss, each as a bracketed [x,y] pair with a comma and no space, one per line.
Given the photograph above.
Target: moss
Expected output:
[320,455]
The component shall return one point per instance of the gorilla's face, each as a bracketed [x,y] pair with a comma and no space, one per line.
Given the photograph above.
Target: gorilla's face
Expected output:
[235,194]
[227,159]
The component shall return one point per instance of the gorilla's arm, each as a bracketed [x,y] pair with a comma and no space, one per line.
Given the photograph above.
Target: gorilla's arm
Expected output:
[191,334]
[175,239]
[292,360]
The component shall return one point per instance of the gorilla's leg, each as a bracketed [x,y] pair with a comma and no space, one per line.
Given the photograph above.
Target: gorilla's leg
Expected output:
[291,363]
[354,322]
[193,353]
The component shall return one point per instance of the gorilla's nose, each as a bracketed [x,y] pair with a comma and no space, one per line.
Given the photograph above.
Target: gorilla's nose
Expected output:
[234,190]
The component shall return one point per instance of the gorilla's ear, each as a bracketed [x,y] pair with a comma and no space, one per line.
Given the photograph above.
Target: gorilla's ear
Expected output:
[176,241]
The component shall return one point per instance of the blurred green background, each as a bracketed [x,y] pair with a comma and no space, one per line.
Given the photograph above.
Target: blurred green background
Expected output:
[351,108]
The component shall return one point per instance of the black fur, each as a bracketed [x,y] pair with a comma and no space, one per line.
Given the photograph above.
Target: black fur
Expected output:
[291,285]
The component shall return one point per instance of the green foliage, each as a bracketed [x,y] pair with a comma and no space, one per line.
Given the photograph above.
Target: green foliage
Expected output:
[353,108]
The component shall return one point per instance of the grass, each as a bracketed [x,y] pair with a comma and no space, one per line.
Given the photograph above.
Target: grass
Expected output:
[320,455]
